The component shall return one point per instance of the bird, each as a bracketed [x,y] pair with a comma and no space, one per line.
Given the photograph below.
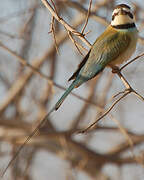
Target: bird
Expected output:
[113,47]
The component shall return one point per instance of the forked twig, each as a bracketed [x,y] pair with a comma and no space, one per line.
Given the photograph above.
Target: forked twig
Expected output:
[52,30]
[93,124]
[64,23]
[128,90]
[75,43]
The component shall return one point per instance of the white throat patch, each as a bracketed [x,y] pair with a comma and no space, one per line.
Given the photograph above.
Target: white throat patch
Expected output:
[121,16]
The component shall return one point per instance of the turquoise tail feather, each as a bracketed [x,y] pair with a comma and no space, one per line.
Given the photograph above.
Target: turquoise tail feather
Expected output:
[74,84]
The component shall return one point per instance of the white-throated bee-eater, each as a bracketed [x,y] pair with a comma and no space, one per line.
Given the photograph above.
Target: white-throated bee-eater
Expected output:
[114,46]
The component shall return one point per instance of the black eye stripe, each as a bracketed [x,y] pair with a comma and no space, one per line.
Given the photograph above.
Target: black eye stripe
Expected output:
[115,14]
[130,15]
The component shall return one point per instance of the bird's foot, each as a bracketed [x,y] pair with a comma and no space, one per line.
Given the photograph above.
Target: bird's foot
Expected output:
[115,69]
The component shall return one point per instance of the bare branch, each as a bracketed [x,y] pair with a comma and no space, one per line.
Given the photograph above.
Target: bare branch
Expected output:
[66,25]
[101,117]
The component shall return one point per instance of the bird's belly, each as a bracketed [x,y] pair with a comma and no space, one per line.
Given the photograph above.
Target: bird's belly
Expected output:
[124,56]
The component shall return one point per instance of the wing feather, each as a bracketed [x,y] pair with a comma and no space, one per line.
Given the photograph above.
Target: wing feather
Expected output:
[106,49]
[74,75]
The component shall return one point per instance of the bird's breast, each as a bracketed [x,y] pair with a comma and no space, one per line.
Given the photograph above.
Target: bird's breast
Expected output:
[123,57]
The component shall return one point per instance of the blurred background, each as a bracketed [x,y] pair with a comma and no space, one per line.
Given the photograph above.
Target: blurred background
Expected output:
[37,57]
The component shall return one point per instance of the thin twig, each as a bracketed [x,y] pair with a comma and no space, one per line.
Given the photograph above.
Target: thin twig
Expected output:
[119,93]
[75,43]
[55,8]
[124,132]
[25,63]
[81,9]
[64,23]
[93,124]
[138,95]
[129,140]
[131,61]
[87,18]
[53,32]
[126,83]
[103,21]
[128,90]
[35,70]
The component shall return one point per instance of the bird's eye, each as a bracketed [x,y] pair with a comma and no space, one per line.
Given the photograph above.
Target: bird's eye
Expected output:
[130,15]
[113,17]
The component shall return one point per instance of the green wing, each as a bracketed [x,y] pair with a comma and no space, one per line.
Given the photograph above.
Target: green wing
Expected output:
[106,49]
[80,66]
[109,46]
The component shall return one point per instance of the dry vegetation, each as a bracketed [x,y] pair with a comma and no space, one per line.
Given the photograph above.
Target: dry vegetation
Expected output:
[34,64]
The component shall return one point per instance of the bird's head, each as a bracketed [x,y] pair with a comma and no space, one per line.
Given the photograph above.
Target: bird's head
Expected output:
[122,14]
